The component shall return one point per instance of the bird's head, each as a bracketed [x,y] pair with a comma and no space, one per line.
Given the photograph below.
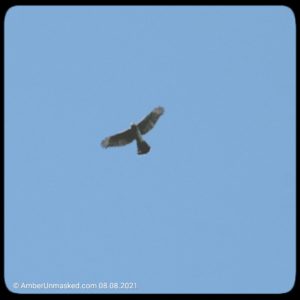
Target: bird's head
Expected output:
[132,125]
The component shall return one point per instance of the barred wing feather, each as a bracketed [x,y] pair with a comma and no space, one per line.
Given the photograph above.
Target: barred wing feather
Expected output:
[119,139]
[149,121]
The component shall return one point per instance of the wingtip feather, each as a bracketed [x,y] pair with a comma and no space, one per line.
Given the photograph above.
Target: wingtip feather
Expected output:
[159,110]
[105,143]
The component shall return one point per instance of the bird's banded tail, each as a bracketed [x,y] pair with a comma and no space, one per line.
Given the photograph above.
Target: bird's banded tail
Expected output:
[143,147]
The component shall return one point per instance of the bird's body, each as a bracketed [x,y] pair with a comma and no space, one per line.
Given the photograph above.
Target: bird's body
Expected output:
[142,146]
[135,132]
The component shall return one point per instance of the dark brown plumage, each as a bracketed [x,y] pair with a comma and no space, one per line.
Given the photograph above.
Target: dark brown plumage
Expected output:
[135,132]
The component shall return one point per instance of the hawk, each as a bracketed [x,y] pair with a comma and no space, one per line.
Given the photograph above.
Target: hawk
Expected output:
[135,132]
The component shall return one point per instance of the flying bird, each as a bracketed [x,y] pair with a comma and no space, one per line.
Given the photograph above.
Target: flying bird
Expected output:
[135,132]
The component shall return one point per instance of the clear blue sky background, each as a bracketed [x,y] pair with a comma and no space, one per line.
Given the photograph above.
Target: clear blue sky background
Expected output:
[211,208]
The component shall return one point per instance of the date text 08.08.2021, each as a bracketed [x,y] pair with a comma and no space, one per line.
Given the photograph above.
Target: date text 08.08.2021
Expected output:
[117,285]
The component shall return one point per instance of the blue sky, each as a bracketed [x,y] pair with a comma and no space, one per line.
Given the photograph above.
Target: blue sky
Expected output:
[210,209]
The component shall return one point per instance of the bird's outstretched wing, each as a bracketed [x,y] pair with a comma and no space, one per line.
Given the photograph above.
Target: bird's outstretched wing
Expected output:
[119,139]
[149,121]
